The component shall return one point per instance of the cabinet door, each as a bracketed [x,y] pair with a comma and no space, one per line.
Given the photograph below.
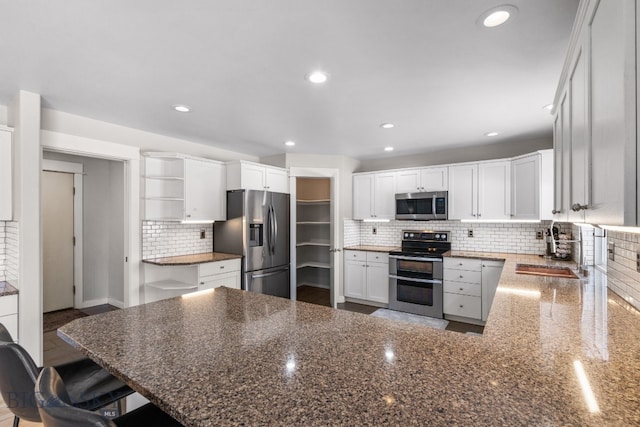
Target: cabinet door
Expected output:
[253,177]
[434,179]
[491,271]
[384,196]
[378,282]
[463,193]
[611,93]
[580,146]
[355,274]
[525,187]
[494,190]
[363,196]
[566,160]
[558,159]
[408,181]
[6,199]
[277,180]
[205,185]
[230,280]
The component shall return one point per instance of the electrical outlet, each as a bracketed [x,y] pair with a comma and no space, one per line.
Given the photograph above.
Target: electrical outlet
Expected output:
[539,234]
[470,232]
[638,262]
[203,234]
[374,230]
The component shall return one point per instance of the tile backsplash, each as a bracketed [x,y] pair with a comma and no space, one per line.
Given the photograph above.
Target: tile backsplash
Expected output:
[166,238]
[8,251]
[494,237]
[622,276]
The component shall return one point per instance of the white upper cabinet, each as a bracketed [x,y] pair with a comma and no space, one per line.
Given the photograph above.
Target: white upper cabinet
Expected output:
[480,191]
[494,190]
[423,179]
[374,195]
[596,118]
[6,180]
[525,185]
[205,195]
[463,191]
[243,175]
[182,188]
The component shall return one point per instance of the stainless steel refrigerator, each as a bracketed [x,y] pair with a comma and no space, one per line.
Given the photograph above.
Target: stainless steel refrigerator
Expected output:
[257,227]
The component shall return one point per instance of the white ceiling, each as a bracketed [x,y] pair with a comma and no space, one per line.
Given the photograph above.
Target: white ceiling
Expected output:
[424,65]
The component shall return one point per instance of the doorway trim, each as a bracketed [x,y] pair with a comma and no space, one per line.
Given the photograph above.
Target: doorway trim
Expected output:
[77,169]
[130,156]
[334,174]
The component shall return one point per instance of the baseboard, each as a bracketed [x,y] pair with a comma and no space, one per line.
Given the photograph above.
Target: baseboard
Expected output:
[464,320]
[114,302]
[340,299]
[365,302]
[93,303]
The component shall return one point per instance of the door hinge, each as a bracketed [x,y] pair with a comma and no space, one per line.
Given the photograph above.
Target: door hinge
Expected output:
[74,191]
[126,259]
[74,289]
[74,240]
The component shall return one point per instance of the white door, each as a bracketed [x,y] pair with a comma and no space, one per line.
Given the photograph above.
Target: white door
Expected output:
[385,196]
[580,144]
[525,187]
[434,179]
[494,190]
[253,177]
[57,240]
[408,181]
[363,196]
[463,191]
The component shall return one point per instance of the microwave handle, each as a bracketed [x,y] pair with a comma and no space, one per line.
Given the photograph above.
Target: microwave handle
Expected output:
[433,206]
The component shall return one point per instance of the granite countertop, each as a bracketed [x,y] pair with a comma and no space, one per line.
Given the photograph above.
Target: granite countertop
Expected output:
[372,248]
[192,259]
[228,357]
[7,289]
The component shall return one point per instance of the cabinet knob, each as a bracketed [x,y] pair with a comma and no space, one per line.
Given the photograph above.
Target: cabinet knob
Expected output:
[222,266]
[188,215]
[461,276]
[462,289]
[555,212]
[479,215]
[461,306]
[577,207]
[202,283]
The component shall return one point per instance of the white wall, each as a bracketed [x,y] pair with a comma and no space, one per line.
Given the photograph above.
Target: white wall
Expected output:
[3,115]
[458,155]
[71,124]
[103,228]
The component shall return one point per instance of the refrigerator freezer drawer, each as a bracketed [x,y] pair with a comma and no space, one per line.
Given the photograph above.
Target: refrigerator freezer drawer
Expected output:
[271,281]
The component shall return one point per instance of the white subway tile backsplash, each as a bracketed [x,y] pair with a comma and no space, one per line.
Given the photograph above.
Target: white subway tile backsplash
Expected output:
[622,277]
[164,238]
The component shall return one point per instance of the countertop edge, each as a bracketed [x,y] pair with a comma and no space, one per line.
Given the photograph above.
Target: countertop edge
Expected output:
[191,259]
[6,289]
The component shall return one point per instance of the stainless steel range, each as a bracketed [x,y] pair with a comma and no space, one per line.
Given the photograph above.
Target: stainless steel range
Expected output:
[415,272]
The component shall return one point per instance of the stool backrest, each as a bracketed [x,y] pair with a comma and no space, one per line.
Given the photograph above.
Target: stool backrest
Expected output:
[18,374]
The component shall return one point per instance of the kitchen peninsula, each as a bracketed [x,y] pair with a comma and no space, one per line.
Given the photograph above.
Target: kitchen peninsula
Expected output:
[229,357]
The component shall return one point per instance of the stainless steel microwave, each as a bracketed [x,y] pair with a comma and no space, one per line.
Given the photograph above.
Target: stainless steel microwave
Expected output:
[429,205]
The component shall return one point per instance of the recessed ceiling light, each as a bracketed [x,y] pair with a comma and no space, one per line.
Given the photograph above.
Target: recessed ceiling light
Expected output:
[289,143]
[548,107]
[388,148]
[181,108]
[491,134]
[317,77]
[497,16]
[387,125]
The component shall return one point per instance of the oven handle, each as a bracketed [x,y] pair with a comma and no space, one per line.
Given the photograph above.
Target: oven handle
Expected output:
[413,258]
[411,279]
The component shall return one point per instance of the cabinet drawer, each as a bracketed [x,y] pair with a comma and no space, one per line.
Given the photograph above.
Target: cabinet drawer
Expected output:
[464,276]
[462,305]
[472,289]
[11,323]
[230,280]
[8,305]
[377,257]
[469,264]
[219,267]
[355,255]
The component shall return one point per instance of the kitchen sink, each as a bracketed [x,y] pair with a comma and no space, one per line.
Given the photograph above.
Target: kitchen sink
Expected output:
[545,270]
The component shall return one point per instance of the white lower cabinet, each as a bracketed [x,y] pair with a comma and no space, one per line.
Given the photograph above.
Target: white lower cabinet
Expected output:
[469,287]
[9,314]
[366,276]
[167,281]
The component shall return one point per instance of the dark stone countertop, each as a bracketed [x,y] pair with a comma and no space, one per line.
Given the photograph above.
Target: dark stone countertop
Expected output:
[192,259]
[7,289]
[229,357]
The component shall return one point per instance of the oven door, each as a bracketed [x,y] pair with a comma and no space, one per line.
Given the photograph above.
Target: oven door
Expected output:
[415,285]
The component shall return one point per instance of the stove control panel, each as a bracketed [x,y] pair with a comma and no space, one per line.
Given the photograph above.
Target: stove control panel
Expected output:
[426,235]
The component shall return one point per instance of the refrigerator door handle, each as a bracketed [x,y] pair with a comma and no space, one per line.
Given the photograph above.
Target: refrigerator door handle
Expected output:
[271,273]
[275,229]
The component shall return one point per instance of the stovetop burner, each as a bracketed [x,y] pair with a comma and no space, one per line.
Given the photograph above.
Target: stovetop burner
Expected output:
[424,242]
